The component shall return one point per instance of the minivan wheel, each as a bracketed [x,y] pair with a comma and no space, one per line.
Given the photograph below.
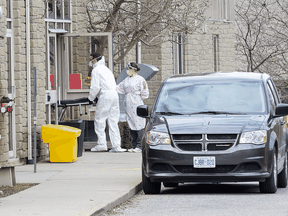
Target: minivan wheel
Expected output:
[168,184]
[282,177]
[270,184]
[150,187]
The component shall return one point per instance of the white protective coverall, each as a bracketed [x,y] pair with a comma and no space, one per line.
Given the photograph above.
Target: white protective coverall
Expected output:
[103,86]
[135,90]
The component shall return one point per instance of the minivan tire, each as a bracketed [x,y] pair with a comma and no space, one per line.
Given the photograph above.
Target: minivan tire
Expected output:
[148,186]
[282,177]
[270,184]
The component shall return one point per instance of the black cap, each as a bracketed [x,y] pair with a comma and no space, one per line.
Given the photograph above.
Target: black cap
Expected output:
[96,56]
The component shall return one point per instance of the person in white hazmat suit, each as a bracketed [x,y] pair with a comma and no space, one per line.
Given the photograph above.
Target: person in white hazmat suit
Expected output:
[103,86]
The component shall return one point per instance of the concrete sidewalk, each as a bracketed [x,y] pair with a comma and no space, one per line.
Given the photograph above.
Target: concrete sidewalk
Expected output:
[93,184]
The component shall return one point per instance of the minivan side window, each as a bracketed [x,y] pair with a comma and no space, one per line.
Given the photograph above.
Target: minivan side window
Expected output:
[271,97]
[274,91]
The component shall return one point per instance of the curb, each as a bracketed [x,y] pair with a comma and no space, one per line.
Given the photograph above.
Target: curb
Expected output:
[119,200]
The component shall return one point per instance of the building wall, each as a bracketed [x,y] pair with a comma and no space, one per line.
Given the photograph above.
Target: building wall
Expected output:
[20,77]
[4,148]
[198,57]
[197,54]
[199,49]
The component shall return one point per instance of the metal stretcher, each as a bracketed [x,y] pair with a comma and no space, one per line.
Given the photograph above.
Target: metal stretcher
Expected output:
[76,102]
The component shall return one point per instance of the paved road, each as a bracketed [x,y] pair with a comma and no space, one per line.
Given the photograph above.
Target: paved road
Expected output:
[207,199]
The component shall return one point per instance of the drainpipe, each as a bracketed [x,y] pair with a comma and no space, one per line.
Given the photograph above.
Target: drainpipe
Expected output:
[30,160]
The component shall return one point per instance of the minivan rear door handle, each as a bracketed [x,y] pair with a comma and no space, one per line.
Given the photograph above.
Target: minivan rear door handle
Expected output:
[283,122]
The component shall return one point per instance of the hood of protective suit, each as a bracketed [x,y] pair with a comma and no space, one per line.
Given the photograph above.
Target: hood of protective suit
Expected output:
[101,62]
[102,79]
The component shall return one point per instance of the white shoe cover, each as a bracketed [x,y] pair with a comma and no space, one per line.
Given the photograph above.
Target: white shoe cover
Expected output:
[137,150]
[130,150]
[99,148]
[118,149]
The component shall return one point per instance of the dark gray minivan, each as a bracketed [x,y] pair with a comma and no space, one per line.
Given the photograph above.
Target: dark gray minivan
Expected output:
[215,127]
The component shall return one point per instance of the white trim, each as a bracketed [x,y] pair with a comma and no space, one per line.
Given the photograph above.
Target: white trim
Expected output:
[177,54]
[62,31]
[28,72]
[220,20]
[58,20]
[71,91]
[109,34]
[9,33]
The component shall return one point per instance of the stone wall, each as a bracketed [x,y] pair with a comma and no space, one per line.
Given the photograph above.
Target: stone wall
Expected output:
[38,60]
[198,55]
[20,77]
[4,147]
[199,48]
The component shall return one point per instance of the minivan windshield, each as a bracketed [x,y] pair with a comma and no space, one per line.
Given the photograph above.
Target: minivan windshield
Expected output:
[235,97]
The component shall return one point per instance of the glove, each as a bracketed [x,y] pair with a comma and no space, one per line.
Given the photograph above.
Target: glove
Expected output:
[94,101]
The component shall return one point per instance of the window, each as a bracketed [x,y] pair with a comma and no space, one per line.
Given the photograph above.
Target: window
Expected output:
[215,95]
[272,86]
[222,9]
[271,97]
[58,9]
[9,14]
[226,10]
[215,52]
[177,51]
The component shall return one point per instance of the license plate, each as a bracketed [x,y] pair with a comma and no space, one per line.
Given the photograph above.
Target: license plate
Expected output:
[204,162]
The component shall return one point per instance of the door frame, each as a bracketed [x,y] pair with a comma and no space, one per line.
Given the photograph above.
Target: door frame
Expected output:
[62,52]
[51,95]
[77,93]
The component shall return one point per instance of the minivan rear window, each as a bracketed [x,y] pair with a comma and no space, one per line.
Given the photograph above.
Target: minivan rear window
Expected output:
[235,97]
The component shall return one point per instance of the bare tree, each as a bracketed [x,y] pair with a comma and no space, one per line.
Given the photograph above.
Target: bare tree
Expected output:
[262,38]
[256,39]
[150,22]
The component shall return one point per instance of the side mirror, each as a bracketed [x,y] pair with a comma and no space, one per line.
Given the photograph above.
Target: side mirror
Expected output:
[142,111]
[281,109]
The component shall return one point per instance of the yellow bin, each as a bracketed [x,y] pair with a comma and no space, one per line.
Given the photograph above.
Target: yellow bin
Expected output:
[62,142]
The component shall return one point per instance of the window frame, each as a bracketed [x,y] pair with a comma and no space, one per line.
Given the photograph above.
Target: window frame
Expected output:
[215,52]
[177,53]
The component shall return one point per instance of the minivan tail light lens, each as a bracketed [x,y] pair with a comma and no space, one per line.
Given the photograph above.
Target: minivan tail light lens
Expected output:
[254,137]
[158,138]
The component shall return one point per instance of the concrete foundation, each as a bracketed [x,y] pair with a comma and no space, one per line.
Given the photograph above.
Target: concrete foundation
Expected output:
[7,176]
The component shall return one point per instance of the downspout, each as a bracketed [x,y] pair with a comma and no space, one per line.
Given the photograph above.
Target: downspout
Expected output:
[30,160]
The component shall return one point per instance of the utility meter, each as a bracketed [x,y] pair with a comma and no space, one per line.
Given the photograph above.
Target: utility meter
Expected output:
[9,109]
